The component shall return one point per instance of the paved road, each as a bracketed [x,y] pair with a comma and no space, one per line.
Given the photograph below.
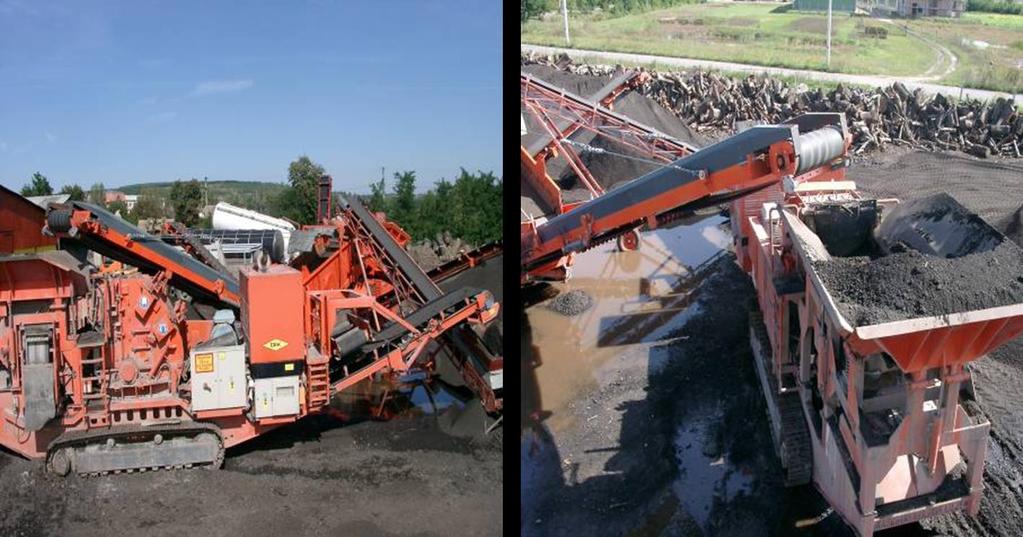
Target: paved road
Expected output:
[868,80]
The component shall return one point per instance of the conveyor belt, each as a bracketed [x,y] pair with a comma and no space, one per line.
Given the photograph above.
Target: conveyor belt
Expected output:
[621,79]
[172,256]
[393,331]
[685,170]
[422,283]
[594,102]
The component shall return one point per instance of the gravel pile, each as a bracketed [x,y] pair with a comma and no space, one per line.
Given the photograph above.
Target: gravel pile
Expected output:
[431,253]
[571,303]
[910,283]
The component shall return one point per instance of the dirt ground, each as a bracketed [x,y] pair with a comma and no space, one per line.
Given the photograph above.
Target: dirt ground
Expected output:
[316,477]
[643,416]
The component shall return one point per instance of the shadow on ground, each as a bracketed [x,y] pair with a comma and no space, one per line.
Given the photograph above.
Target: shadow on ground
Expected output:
[673,441]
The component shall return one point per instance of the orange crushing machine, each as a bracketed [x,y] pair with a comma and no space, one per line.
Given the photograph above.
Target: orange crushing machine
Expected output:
[162,360]
[877,411]
[879,415]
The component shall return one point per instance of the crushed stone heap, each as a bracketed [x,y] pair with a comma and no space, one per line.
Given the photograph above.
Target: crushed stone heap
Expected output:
[931,257]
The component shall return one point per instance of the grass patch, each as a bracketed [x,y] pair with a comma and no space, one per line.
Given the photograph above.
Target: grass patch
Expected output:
[826,85]
[998,20]
[988,46]
[774,36]
[758,34]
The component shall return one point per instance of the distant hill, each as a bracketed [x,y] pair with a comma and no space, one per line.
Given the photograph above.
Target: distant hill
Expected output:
[255,195]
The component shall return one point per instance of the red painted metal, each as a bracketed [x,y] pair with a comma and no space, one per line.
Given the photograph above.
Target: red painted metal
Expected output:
[751,175]
[83,221]
[20,224]
[121,338]
[562,114]
[876,473]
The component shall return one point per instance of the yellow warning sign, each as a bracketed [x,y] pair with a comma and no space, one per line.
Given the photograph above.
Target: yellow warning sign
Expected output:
[204,363]
[275,344]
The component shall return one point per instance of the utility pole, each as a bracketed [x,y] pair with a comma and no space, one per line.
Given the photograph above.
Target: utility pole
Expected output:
[829,34]
[564,14]
[205,191]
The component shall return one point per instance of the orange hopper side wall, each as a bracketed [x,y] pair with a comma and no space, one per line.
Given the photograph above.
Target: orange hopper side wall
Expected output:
[272,311]
[21,225]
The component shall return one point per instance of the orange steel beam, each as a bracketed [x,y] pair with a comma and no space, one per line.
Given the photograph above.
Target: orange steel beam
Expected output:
[561,114]
[84,222]
[401,359]
[557,146]
[604,97]
[745,163]
[466,260]
[750,175]
[598,118]
[534,171]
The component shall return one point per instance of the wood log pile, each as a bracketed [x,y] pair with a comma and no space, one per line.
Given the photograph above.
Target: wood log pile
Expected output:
[878,117]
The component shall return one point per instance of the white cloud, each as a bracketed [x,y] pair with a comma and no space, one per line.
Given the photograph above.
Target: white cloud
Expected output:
[211,87]
[162,117]
[49,136]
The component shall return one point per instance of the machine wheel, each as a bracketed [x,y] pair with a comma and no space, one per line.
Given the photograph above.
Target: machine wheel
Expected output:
[629,241]
[218,462]
[60,462]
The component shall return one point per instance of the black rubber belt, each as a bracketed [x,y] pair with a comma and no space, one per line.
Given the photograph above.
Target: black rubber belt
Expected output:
[406,265]
[392,331]
[683,171]
[602,93]
[156,246]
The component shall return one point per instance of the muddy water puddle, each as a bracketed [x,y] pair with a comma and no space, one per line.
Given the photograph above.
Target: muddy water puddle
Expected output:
[637,299]
[705,475]
[586,385]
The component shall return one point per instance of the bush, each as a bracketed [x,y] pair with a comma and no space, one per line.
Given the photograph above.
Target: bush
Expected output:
[994,6]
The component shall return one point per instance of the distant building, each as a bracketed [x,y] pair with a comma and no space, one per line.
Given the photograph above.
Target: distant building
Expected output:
[111,196]
[914,8]
[116,195]
[838,6]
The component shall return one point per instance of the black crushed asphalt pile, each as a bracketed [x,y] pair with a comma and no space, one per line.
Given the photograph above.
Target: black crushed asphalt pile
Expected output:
[936,258]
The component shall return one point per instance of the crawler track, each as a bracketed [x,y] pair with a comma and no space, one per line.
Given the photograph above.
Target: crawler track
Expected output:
[789,430]
[136,449]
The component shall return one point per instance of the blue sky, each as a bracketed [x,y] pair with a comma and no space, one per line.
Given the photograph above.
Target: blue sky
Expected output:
[123,92]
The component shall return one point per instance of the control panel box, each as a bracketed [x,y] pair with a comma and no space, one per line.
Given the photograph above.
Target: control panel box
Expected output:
[276,396]
[218,377]
[272,313]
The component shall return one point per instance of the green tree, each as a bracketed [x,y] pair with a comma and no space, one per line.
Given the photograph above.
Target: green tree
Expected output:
[98,194]
[469,208]
[120,208]
[147,206]
[186,199]
[533,8]
[74,192]
[403,207]
[475,207]
[298,203]
[378,196]
[38,186]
